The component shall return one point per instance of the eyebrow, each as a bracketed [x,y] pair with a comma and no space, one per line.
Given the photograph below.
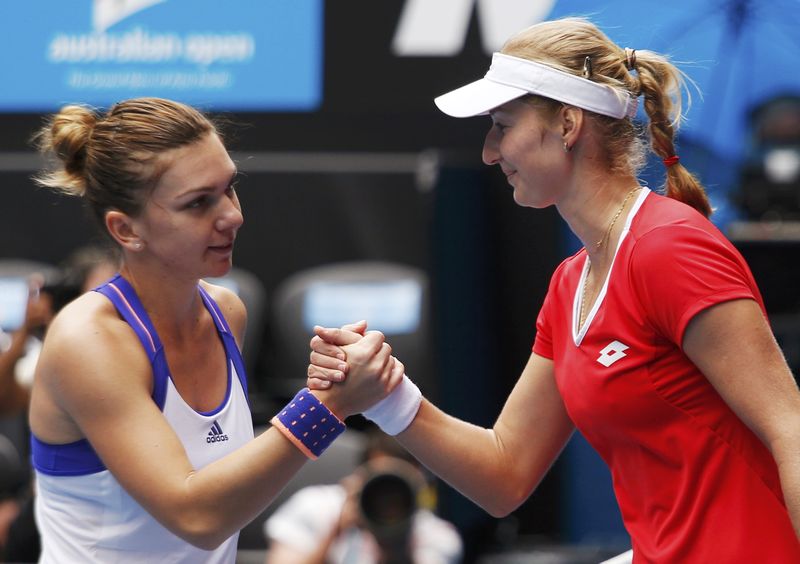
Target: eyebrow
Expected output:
[202,189]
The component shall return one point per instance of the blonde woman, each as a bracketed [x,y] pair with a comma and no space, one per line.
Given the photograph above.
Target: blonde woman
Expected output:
[652,340]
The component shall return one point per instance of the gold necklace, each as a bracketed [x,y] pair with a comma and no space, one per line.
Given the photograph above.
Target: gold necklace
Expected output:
[607,234]
[597,246]
[583,294]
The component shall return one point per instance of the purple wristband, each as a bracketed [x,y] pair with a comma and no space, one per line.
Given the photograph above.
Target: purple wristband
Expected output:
[307,423]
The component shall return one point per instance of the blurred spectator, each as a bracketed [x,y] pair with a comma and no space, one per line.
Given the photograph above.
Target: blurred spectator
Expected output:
[20,344]
[84,269]
[375,515]
[769,187]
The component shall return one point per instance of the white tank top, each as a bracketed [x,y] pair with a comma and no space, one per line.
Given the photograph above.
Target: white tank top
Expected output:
[85,516]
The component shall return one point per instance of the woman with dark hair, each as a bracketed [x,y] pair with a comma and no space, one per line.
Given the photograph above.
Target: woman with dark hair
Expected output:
[142,436]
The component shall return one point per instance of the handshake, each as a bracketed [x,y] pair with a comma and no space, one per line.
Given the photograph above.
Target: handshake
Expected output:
[352,370]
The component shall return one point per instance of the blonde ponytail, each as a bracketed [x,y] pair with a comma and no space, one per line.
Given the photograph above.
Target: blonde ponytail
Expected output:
[565,44]
[661,84]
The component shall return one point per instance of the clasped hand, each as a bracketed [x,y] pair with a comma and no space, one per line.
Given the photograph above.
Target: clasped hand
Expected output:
[351,369]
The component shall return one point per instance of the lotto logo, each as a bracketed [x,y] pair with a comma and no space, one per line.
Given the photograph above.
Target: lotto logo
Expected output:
[611,353]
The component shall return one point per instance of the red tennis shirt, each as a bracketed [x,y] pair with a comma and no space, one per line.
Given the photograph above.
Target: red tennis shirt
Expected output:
[694,484]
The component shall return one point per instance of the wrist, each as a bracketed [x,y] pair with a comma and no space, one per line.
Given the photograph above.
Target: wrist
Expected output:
[308,424]
[329,400]
[394,413]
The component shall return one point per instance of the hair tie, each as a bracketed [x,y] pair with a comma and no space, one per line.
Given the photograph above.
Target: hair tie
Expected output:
[670,161]
[630,58]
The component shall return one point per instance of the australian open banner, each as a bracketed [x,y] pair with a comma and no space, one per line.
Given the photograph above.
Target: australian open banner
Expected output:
[247,55]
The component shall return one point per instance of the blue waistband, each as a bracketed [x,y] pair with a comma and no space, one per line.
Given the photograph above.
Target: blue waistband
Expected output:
[71,459]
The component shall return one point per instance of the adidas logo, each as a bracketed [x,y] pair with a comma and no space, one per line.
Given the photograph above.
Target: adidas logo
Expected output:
[215,435]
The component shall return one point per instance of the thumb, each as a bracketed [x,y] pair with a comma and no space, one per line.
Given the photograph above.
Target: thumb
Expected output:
[358,327]
[372,342]
[334,336]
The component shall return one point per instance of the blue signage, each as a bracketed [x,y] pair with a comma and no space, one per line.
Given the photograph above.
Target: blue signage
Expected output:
[247,55]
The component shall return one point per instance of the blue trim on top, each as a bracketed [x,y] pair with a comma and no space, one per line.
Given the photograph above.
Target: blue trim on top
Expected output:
[132,311]
[72,459]
[79,458]
[131,308]
[228,340]
[219,320]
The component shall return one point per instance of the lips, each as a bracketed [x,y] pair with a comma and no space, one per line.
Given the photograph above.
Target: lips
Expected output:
[226,248]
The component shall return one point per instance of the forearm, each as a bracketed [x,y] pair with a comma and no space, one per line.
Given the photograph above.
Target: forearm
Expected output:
[221,498]
[471,459]
[787,457]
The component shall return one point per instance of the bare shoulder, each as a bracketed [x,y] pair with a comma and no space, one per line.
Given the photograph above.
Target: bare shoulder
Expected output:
[90,357]
[232,307]
[89,323]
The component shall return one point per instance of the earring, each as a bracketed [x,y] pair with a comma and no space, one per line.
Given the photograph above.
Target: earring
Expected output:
[137,245]
[567,148]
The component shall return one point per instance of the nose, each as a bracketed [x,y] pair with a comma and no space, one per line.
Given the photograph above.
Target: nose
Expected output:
[491,154]
[230,217]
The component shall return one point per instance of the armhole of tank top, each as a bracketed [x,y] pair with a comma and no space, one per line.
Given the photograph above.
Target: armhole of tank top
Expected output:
[126,302]
[228,340]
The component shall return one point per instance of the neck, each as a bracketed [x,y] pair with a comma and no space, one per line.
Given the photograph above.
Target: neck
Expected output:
[596,211]
[172,304]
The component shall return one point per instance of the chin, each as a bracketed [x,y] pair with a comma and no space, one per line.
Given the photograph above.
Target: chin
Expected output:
[529,200]
[525,200]
[219,270]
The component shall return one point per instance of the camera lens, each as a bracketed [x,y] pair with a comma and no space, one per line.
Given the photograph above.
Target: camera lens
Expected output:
[387,499]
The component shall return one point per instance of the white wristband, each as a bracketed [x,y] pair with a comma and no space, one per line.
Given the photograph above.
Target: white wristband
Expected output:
[396,411]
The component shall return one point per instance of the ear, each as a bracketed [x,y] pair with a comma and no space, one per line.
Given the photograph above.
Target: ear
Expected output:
[571,121]
[123,230]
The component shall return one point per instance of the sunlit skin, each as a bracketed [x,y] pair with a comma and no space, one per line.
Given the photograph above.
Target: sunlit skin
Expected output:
[528,148]
[527,141]
[190,223]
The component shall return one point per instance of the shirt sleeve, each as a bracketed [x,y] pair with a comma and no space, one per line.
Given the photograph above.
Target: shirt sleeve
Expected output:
[543,342]
[678,271]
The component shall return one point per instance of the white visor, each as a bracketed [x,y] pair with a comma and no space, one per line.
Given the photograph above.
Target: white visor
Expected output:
[511,77]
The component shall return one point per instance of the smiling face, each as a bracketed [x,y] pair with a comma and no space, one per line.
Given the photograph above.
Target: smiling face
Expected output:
[190,221]
[526,143]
